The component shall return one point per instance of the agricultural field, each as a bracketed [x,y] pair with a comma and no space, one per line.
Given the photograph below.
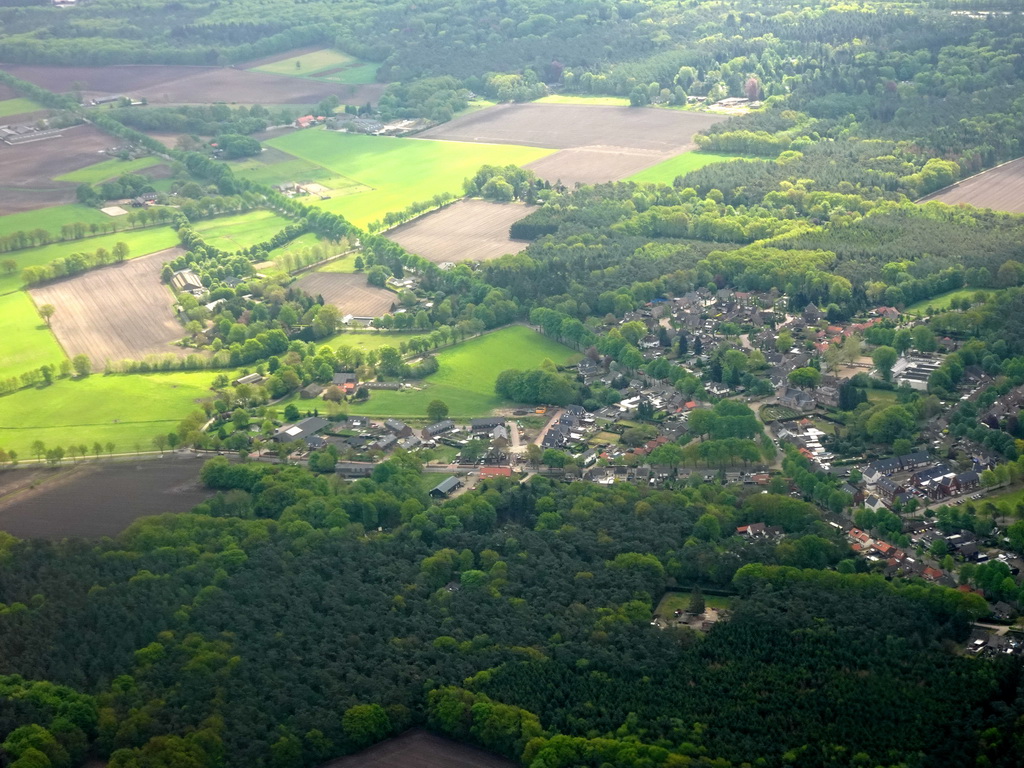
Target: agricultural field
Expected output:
[167,84]
[593,101]
[345,266]
[397,171]
[108,169]
[1000,188]
[467,374]
[128,411]
[18,106]
[324,64]
[469,230]
[944,300]
[367,340]
[680,165]
[275,167]
[232,233]
[139,242]
[52,218]
[680,601]
[117,312]
[350,293]
[86,499]
[25,341]
[422,750]
[29,167]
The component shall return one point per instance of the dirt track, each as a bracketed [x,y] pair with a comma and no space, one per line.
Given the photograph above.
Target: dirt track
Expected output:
[114,313]
[192,85]
[1001,189]
[473,230]
[349,293]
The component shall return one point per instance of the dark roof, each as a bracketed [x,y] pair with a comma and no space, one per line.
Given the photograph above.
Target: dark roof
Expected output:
[439,427]
[300,430]
[489,422]
[447,485]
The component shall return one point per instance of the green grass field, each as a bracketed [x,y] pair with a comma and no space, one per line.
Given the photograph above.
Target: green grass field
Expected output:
[51,219]
[597,101]
[345,266]
[308,63]
[25,341]
[1009,499]
[357,74]
[366,340]
[468,371]
[108,169]
[139,241]
[231,233]
[18,106]
[673,601]
[680,165]
[399,171]
[943,300]
[126,410]
[281,168]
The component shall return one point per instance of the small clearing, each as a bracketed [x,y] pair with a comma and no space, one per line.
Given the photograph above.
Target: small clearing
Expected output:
[115,313]
[469,230]
[349,293]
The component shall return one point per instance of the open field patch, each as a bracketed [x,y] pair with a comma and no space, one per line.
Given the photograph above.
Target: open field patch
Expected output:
[232,233]
[567,126]
[944,300]
[1001,189]
[180,84]
[593,101]
[52,218]
[307,64]
[367,340]
[25,341]
[593,165]
[274,167]
[139,242]
[87,500]
[354,74]
[465,380]
[419,749]
[115,313]
[18,106]
[665,172]
[128,411]
[397,171]
[350,293]
[108,169]
[469,230]
[29,168]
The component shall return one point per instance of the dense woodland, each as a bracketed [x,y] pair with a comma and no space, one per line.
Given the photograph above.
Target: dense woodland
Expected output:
[269,628]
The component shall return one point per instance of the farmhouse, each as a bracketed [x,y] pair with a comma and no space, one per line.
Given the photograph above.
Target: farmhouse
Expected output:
[487,424]
[300,430]
[445,488]
[187,281]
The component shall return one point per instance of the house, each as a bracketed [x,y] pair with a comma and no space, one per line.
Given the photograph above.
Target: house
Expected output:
[487,424]
[932,574]
[1002,611]
[347,381]
[398,428]
[310,391]
[383,443]
[445,488]
[429,433]
[812,314]
[486,472]
[796,399]
[753,531]
[499,437]
[300,430]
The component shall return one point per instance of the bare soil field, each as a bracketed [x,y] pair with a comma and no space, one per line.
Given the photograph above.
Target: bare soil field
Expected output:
[349,292]
[1001,189]
[191,85]
[95,499]
[28,169]
[598,143]
[566,126]
[594,165]
[469,230]
[114,313]
[420,749]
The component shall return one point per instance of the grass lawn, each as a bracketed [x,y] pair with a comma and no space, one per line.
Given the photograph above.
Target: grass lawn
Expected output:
[280,168]
[357,74]
[467,375]
[943,300]
[599,101]
[51,219]
[25,341]
[366,340]
[680,601]
[680,165]
[139,241]
[398,171]
[307,64]
[125,410]
[231,233]
[882,396]
[1008,498]
[773,412]
[18,106]
[108,169]
[345,266]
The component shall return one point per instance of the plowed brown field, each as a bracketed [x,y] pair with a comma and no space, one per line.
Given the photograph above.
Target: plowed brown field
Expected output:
[1001,189]
[349,293]
[115,313]
[419,749]
[469,230]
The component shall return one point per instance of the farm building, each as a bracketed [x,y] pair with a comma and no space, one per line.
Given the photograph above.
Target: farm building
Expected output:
[249,378]
[300,430]
[398,428]
[187,281]
[487,424]
[429,433]
[444,489]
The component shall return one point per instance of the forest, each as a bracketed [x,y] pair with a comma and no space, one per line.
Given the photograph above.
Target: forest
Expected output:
[274,626]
